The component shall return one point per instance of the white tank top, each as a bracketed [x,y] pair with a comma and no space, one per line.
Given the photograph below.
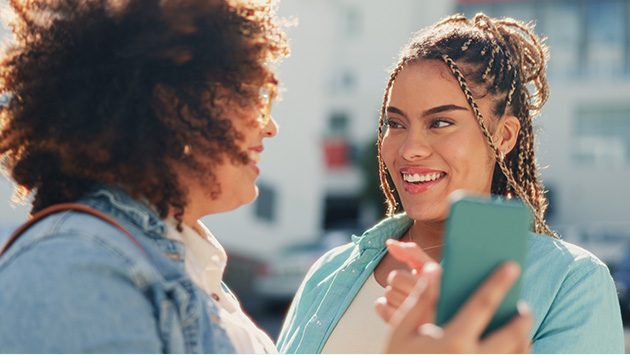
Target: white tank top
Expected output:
[360,330]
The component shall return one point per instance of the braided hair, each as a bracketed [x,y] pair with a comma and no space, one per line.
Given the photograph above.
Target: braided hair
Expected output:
[502,57]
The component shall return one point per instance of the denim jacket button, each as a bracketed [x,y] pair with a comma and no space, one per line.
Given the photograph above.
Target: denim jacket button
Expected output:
[216,297]
[215,319]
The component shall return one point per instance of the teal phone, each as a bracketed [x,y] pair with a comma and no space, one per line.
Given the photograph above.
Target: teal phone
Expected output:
[481,233]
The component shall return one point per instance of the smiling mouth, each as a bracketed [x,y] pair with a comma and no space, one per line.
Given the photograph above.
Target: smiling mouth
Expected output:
[418,179]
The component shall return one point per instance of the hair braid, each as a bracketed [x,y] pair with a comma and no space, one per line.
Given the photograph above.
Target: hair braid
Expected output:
[499,155]
[382,169]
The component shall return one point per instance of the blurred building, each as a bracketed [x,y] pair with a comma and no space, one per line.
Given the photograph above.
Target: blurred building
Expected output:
[314,174]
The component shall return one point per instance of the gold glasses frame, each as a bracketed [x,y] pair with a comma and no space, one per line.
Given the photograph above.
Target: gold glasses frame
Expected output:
[266,93]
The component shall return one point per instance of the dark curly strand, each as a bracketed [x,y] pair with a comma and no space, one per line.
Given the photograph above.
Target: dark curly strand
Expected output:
[501,56]
[115,91]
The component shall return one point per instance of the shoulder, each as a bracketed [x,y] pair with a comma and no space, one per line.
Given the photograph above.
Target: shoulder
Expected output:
[554,266]
[89,277]
[573,298]
[71,240]
[547,253]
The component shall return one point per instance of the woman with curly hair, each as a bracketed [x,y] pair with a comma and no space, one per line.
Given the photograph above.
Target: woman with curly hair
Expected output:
[152,113]
[457,114]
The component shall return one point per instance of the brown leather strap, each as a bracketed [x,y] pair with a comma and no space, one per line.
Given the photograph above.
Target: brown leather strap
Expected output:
[67,207]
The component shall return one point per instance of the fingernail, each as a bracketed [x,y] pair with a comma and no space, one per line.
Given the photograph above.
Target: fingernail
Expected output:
[430,267]
[523,308]
[512,268]
[392,242]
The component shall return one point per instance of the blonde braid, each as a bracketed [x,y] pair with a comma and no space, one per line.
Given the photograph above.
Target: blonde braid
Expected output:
[382,172]
[525,197]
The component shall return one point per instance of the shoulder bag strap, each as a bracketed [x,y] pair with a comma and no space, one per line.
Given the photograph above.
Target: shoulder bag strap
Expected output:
[68,207]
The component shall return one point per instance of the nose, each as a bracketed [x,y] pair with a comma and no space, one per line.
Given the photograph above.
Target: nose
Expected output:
[271,129]
[415,146]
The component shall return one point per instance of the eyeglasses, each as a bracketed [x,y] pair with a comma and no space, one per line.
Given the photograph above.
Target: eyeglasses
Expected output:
[266,94]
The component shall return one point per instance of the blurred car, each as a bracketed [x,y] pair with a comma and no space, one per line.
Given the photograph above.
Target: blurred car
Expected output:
[273,279]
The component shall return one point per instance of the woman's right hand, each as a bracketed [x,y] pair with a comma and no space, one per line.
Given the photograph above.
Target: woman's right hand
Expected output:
[413,329]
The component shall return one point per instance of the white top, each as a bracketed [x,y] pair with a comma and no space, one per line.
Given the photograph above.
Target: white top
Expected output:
[360,330]
[205,261]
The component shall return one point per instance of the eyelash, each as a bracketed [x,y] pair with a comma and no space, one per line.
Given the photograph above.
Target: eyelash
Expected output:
[392,124]
[434,123]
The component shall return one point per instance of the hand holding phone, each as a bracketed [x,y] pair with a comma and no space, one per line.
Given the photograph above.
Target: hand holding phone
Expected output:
[463,333]
[481,233]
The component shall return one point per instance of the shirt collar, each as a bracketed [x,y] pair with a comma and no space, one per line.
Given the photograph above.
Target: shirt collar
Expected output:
[390,228]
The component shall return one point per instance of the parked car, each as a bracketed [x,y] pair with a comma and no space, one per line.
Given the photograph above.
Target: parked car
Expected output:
[272,280]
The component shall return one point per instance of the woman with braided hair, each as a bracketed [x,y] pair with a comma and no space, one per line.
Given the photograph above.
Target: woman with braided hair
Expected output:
[457,114]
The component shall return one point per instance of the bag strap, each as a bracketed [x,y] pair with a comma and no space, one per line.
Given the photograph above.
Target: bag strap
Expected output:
[68,207]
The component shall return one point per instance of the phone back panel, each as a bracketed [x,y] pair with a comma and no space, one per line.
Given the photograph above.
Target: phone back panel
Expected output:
[480,235]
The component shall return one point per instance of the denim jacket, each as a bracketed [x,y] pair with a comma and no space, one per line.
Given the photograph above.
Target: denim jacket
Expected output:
[74,283]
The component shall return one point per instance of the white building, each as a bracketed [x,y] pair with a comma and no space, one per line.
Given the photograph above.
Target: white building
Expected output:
[334,84]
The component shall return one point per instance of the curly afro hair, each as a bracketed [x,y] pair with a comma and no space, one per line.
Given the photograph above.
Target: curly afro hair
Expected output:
[86,82]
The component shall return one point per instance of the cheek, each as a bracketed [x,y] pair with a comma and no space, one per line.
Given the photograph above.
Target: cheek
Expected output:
[472,160]
[389,151]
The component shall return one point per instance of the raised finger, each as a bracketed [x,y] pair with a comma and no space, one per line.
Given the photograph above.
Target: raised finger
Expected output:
[476,313]
[394,297]
[402,280]
[408,253]
[384,310]
[419,307]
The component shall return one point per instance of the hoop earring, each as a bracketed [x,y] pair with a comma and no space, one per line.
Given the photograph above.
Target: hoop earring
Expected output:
[501,156]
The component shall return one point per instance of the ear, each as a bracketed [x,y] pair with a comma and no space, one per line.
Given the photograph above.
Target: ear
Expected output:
[506,133]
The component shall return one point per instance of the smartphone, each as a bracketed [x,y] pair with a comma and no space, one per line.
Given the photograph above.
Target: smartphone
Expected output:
[481,233]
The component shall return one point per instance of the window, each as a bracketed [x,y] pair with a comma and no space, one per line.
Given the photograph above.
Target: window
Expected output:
[561,23]
[605,32]
[265,207]
[602,136]
[341,212]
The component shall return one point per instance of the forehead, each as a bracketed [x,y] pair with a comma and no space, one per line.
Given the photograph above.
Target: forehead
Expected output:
[425,80]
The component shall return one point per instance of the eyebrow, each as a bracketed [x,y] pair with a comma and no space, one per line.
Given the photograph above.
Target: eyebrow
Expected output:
[443,108]
[430,111]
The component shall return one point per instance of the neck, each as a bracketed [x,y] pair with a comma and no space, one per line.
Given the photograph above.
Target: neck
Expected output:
[429,236]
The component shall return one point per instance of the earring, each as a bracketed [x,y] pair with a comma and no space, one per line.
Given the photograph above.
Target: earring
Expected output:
[501,156]
[186,149]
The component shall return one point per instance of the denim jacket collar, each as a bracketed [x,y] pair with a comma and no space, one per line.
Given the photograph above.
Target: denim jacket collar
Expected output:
[118,203]
[389,228]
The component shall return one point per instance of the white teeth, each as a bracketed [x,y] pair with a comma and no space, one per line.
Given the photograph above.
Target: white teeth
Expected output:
[422,178]
[254,156]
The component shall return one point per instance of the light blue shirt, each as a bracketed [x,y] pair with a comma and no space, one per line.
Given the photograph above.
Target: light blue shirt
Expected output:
[570,291]
[74,283]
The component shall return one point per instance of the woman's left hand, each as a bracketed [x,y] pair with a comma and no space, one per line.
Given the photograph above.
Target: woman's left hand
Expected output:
[401,282]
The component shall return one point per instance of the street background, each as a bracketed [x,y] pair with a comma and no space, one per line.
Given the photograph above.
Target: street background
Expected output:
[318,181]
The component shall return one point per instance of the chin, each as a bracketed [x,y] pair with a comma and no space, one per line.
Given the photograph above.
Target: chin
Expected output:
[427,213]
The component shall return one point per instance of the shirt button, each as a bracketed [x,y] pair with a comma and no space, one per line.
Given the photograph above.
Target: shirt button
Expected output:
[215,296]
